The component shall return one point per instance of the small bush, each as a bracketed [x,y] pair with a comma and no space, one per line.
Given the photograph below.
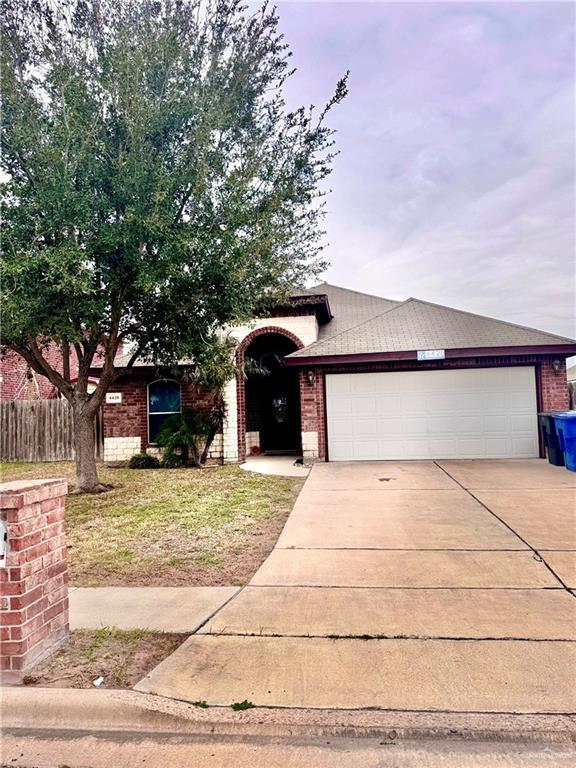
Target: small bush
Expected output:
[172,461]
[143,461]
[180,436]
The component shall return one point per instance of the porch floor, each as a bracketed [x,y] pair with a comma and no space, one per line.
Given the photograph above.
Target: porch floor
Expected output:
[275,465]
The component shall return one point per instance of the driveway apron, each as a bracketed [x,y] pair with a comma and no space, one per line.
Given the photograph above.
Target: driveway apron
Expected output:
[403,585]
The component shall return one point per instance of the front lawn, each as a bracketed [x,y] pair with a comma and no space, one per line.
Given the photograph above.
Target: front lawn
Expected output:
[169,527]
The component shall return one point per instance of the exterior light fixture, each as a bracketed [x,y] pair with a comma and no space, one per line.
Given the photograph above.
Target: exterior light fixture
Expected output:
[556,365]
[311,377]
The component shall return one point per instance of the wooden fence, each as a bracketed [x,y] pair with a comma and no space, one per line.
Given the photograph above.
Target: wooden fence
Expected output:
[39,430]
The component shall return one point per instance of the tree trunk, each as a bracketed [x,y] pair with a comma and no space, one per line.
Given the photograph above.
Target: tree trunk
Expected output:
[84,441]
[215,422]
[209,440]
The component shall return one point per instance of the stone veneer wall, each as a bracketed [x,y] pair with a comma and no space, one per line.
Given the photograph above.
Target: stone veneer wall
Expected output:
[34,581]
[252,440]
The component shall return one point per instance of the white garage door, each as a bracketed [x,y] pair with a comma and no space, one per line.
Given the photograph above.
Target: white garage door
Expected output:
[472,413]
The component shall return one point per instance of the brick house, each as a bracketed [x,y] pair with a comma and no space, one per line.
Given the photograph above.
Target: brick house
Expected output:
[19,382]
[357,377]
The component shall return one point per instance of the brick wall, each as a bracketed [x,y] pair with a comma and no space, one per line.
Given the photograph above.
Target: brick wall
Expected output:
[554,391]
[126,423]
[312,415]
[552,386]
[34,593]
[18,383]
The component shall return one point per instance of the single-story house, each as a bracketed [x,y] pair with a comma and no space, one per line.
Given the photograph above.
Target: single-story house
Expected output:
[358,377]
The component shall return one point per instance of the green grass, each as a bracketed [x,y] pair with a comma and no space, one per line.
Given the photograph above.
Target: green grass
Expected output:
[158,525]
[238,706]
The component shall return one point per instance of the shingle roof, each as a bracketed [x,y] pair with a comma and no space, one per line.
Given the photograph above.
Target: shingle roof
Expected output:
[349,308]
[419,325]
[367,324]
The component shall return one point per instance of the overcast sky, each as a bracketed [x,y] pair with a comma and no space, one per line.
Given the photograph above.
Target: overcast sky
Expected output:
[455,181]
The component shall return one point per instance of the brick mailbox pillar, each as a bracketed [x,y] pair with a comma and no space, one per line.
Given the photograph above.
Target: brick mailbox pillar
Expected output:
[34,576]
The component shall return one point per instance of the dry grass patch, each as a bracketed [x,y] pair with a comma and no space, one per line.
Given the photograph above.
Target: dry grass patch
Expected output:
[120,657]
[169,527]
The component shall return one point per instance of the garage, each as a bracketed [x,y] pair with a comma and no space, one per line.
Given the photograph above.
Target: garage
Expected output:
[444,414]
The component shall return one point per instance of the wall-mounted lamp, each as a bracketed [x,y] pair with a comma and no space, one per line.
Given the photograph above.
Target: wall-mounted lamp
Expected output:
[557,366]
[311,377]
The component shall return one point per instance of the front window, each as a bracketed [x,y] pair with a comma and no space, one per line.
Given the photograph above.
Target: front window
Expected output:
[164,400]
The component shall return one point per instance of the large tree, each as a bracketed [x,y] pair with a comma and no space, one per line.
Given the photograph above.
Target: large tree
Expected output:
[156,187]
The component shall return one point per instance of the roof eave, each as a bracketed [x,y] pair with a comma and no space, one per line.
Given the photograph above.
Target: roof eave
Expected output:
[564,350]
[318,302]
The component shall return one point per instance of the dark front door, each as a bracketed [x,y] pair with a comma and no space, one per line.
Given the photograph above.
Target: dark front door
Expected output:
[281,412]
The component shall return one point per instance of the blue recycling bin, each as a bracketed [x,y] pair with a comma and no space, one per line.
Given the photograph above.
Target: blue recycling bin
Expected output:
[566,429]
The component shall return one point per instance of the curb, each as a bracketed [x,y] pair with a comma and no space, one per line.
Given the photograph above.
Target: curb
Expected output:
[119,711]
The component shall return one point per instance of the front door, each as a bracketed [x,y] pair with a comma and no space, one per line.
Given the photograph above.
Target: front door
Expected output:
[281,413]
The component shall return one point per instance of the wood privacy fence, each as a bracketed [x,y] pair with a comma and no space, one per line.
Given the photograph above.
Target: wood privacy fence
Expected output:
[39,430]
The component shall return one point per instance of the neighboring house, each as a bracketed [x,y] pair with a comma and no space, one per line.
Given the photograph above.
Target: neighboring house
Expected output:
[359,377]
[571,376]
[19,382]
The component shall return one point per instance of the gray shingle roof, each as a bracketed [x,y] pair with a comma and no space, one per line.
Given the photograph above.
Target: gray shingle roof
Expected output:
[349,308]
[419,325]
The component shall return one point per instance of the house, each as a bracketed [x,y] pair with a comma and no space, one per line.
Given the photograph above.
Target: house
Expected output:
[358,377]
[19,382]
[571,376]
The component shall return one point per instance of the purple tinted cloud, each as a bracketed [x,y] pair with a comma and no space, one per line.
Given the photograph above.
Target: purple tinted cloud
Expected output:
[455,181]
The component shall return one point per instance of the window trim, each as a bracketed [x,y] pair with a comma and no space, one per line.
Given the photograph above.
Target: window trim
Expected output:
[159,413]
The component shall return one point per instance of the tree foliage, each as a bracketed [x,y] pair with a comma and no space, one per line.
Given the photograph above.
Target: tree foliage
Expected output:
[156,186]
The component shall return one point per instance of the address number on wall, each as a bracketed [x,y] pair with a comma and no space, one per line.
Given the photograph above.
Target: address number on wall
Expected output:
[431,354]
[113,397]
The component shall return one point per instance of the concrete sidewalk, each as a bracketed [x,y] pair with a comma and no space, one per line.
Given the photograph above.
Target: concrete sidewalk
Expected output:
[402,585]
[160,609]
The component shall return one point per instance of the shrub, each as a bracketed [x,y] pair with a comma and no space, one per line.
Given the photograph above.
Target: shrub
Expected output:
[181,436]
[143,461]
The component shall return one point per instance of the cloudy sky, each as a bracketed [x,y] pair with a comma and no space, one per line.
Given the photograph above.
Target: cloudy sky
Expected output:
[455,181]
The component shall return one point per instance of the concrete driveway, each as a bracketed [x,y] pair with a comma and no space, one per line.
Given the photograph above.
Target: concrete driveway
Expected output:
[403,585]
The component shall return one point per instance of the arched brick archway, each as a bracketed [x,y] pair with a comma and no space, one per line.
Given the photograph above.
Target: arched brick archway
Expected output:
[268,330]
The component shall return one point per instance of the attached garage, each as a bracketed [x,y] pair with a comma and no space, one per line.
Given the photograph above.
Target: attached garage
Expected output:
[461,413]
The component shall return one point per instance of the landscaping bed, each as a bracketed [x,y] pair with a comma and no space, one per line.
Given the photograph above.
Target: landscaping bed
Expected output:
[120,657]
[169,527]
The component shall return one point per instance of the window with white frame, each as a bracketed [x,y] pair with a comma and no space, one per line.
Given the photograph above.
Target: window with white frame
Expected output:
[164,400]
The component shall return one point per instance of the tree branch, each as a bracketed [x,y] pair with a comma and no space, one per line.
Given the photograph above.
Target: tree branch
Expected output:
[37,362]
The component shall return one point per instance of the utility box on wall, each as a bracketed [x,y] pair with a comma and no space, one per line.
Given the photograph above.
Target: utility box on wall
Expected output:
[33,575]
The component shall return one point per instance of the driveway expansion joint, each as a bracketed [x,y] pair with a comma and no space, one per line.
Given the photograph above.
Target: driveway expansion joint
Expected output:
[487,508]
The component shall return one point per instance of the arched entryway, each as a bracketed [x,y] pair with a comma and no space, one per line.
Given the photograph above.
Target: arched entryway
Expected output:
[270,395]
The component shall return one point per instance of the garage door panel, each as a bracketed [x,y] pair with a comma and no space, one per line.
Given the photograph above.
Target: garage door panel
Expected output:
[366,428]
[388,403]
[469,423]
[522,400]
[493,401]
[522,422]
[524,445]
[476,413]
